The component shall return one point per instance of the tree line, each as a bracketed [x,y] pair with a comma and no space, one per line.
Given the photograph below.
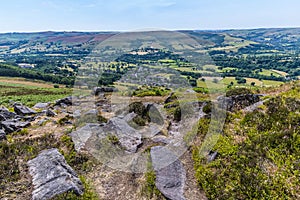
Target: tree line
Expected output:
[13,71]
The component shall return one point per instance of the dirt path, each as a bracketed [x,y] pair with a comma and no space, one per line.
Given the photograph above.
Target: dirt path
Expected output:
[111,184]
[192,189]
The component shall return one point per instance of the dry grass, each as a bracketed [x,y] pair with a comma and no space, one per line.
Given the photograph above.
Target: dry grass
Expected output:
[23,81]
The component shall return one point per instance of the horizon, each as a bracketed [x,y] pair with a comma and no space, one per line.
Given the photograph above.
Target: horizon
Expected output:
[120,15]
[120,31]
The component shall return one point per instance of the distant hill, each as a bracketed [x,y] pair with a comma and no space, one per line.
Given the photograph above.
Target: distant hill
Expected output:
[263,54]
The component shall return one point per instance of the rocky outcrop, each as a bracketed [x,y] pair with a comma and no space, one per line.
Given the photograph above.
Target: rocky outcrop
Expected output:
[170,173]
[238,102]
[253,107]
[81,135]
[64,102]
[11,122]
[52,176]
[2,135]
[23,110]
[10,126]
[6,114]
[50,113]
[171,98]
[212,156]
[41,105]
[98,90]
[128,136]
[42,121]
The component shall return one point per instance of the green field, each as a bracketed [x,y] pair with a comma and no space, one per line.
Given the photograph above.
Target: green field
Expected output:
[267,72]
[223,83]
[29,92]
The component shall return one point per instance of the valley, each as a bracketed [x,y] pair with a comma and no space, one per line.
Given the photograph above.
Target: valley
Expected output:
[150,115]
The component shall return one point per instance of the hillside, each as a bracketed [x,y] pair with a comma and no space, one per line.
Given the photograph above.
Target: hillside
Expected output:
[257,155]
[150,115]
[261,55]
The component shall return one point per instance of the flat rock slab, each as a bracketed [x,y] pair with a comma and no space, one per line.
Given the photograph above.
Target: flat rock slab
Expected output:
[65,101]
[81,136]
[10,126]
[170,173]
[52,176]
[129,138]
[41,105]
[23,110]
[6,114]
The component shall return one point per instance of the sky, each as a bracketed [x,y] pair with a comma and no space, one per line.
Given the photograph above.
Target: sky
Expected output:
[130,15]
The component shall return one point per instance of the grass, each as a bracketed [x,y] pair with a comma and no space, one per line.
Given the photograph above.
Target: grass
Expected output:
[258,153]
[225,69]
[267,72]
[149,188]
[89,193]
[280,72]
[227,81]
[23,81]
[234,44]
[211,85]
[270,83]
[29,92]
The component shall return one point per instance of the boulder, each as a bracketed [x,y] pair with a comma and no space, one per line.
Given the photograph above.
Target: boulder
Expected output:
[64,102]
[170,173]
[51,176]
[10,126]
[6,114]
[41,105]
[128,137]
[99,90]
[2,135]
[238,102]
[42,121]
[77,114]
[212,156]
[2,118]
[81,135]
[27,118]
[50,113]
[23,110]
[161,139]
[171,98]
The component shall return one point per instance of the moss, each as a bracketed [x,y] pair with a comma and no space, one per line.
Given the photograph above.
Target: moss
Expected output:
[177,114]
[139,120]
[113,139]
[101,119]
[207,108]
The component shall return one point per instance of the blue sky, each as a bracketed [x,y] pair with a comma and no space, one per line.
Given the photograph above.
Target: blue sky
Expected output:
[103,15]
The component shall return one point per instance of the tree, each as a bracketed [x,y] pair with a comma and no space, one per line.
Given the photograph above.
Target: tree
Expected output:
[215,80]
[241,81]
